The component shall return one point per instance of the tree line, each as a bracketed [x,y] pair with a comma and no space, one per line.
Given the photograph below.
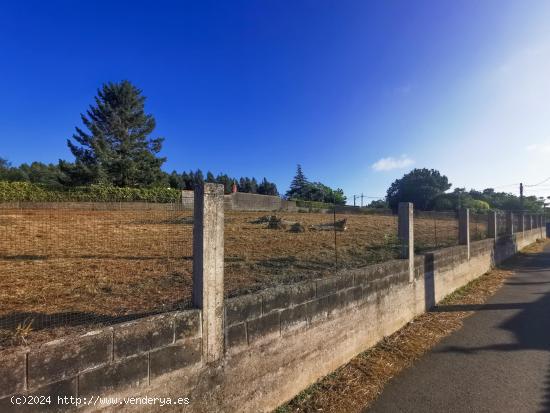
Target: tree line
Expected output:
[52,177]
[117,148]
[189,180]
[428,189]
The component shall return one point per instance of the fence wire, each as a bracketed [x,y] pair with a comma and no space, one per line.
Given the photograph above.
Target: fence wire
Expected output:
[67,266]
[433,230]
[74,265]
[501,224]
[266,249]
[516,218]
[478,226]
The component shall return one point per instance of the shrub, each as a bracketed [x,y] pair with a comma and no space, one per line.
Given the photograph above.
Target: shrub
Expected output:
[478,206]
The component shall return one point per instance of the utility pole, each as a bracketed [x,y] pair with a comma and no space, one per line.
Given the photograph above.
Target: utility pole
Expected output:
[521,196]
[361,200]
[354,196]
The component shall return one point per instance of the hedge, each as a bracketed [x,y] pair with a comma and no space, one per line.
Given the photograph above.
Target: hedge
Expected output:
[28,192]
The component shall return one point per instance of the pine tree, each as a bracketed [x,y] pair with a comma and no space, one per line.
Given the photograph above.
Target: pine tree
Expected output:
[253,186]
[299,185]
[117,148]
[267,188]
[198,178]
[226,181]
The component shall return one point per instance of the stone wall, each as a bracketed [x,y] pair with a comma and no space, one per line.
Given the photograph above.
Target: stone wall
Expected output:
[130,355]
[277,342]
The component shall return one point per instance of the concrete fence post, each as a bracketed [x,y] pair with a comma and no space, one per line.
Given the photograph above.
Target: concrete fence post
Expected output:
[464,228]
[492,231]
[509,223]
[405,231]
[522,224]
[208,266]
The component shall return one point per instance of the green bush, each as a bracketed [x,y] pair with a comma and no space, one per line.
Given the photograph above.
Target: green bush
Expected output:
[25,191]
[478,206]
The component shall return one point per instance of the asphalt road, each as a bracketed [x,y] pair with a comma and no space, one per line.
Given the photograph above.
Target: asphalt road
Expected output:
[498,362]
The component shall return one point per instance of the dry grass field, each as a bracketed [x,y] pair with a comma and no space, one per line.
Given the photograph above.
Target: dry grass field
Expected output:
[67,268]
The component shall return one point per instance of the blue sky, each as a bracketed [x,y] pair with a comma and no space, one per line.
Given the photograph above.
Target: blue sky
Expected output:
[358,92]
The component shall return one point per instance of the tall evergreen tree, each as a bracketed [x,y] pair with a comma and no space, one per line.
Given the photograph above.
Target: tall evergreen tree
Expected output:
[210,177]
[117,148]
[299,185]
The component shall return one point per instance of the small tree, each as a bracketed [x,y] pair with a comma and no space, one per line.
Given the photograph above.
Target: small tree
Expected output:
[4,164]
[210,178]
[117,148]
[11,173]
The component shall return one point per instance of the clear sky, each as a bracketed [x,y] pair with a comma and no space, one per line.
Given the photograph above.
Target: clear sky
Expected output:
[358,92]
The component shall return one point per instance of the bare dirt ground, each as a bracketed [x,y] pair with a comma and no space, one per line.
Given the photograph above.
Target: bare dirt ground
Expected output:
[355,386]
[64,269]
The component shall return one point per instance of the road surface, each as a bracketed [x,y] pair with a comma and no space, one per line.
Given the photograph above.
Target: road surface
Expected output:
[498,362]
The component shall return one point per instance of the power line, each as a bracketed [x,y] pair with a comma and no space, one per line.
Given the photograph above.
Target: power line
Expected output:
[540,183]
[504,186]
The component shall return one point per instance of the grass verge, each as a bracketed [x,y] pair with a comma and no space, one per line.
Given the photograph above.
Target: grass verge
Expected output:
[354,386]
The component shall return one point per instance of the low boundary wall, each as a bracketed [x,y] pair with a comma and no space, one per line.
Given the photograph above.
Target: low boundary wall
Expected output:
[277,342]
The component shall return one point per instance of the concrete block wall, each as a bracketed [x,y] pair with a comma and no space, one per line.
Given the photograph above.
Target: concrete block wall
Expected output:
[253,318]
[242,201]
[281,340]
[277,342]
[131,355]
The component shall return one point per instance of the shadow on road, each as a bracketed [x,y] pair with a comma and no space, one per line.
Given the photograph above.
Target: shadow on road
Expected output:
[530,324]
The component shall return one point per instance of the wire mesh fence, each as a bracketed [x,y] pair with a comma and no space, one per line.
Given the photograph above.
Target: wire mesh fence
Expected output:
[502,226]
[74,265]
[517,222]
[535,219]
[478,226]
[433,230]
[67,266]
[276,248]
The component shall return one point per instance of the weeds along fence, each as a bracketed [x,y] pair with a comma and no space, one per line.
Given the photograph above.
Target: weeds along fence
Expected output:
[433,230]
[283,247]
[73,264]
